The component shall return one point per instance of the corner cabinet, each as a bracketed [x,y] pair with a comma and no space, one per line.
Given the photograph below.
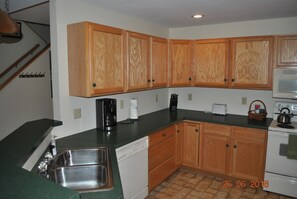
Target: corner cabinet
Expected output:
[179,140]
[96,61]
[138,69]
[211,62]
[181,62]
[251,62]
[191,144]
[287,51]
[159,72]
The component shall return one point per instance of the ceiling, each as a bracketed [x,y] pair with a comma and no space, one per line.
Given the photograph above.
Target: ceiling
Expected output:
[177,13]
[36,14]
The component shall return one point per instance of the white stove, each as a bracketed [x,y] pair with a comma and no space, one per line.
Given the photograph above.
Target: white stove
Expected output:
[281,172]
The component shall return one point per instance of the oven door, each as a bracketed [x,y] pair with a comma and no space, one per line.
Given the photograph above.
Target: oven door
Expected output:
[276,157]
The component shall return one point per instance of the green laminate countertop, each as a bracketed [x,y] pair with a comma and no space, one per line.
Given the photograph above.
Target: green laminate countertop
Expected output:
[152,122]
[15,149]
[18,146]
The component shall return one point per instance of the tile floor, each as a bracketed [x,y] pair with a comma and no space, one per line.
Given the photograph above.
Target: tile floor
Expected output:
[186,184]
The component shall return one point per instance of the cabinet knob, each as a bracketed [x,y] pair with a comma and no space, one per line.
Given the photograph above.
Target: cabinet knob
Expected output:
[94,85]
[196,130]
[233,80]
[149,81]
[190,78]
[177,131]
[227,145]
[153,80]
[235,146]
[225,79]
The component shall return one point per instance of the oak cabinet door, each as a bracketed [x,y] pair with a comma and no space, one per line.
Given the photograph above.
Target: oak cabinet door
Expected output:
[138,61]
[287,51]
[211,62]
[215,147]
[251,62]
[159,76]
[179,133]
[95,59]
[249,153]
[191,144]
[180,63]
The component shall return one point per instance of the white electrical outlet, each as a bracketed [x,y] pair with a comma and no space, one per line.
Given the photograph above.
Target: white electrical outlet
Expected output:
[77,113]
[244,100]
[190,97]
[157,98]
[121,104]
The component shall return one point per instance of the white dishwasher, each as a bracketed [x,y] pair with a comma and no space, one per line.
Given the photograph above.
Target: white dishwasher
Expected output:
[133,166]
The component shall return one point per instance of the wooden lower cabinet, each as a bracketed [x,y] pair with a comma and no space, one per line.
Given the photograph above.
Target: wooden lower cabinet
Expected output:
[191,144]
[161,154]
[248,154]
[215,147]
[161,172]
[179,134]
[234,151]
[229,150]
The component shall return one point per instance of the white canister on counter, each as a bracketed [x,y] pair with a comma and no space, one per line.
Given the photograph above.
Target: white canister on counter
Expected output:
[133,109]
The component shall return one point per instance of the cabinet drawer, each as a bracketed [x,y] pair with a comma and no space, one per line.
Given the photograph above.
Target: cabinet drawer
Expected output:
[218,129]
[160,136]
[161,152]
[249,133]
[161,172]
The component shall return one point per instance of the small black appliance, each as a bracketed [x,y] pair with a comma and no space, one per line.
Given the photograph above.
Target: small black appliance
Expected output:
[106,114]
[173,102]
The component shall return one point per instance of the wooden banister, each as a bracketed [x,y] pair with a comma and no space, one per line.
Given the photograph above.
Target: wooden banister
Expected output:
[19,60]
[24,66]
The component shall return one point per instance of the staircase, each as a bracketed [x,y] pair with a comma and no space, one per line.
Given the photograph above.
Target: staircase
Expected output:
[19,51]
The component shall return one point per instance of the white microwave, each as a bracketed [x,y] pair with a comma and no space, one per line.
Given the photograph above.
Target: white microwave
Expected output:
[285,83]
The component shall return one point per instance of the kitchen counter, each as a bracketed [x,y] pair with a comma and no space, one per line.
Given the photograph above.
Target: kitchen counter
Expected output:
[17,147]
[149,123]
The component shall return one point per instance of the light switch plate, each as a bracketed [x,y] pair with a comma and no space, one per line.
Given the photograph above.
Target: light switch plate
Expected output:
[244,100]
[77,113]
[190,97]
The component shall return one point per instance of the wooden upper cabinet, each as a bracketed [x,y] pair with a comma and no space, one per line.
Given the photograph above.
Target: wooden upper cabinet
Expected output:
[211,62]
[181,62]
[159,72]
[138,69]
[95,59]
[287,50]
[251,62]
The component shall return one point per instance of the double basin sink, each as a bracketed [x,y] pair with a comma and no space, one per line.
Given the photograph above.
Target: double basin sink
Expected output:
[82,170]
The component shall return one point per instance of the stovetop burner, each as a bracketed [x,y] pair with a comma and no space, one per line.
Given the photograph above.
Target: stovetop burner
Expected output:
[286,126]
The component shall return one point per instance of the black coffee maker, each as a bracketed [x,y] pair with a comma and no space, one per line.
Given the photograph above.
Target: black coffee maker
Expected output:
[106,114]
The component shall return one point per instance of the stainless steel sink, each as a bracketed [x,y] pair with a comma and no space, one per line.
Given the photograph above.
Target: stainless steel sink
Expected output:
[74,157]
[83,170]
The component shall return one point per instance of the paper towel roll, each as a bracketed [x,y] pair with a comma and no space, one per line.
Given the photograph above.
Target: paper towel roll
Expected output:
[133,109]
